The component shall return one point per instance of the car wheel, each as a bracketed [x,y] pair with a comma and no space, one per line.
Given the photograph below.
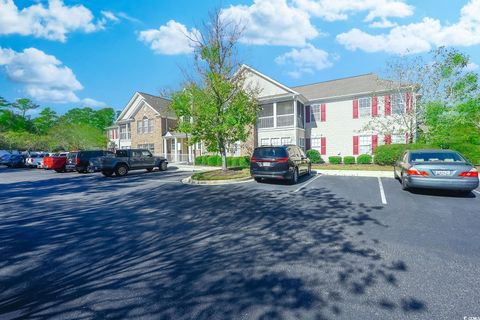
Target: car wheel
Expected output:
[259,180]
[404,183]
[294,177]
[121,170]
[58,170]
[149,169]
[163,166]
[107,173]
[309,169]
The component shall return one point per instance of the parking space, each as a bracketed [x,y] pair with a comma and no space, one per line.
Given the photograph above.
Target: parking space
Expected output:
[146,245]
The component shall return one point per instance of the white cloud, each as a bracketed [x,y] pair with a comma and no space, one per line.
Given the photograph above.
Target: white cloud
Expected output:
[305,60]
[471,66]
[52,22]
[43,76]
[170,39]
[341,9]
[421,36]
[88,102]
[110,16]
[272,22]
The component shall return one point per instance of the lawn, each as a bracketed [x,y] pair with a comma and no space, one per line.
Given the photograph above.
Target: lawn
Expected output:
[364,167]
[231,173]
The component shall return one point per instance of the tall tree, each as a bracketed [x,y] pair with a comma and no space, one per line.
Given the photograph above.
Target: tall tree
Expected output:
[24,105]
[46,120]
[218,109]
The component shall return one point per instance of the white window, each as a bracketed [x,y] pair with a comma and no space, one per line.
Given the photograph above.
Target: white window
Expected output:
[365,107]
[264,141]
[275,141]
[301,142]
[285,114]
[125,131]
[151,123]
[286,140]
[315,143]
[365,144]
[398,103]
[398,138]
[265,116]
[315,113]
[140,126]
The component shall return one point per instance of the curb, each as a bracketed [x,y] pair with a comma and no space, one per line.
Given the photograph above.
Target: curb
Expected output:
[356,173]
[215,182]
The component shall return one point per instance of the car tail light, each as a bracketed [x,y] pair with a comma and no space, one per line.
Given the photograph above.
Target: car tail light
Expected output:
[77,161]
[472,173]
[253,159]
[281,160]
[415,172]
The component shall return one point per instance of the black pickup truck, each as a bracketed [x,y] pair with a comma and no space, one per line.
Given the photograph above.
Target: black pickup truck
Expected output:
[126,160]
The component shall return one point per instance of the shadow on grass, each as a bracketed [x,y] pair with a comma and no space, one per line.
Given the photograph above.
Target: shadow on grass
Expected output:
[86,247]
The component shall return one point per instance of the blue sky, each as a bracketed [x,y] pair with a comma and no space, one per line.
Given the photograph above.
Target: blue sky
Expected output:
[66,54]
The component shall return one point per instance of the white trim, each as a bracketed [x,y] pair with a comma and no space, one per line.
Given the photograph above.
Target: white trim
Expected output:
[258,73]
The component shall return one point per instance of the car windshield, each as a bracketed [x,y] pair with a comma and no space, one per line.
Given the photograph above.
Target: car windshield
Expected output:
[436,157]
[268,152]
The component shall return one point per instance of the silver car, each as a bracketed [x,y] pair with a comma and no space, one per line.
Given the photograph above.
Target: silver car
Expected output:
[436,169]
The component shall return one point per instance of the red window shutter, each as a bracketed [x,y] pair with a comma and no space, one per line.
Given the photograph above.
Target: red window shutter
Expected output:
[388,105]
[355,109]
[113,134]
[374,106]
[374,142]
[388,139]
[307,144]
[323,113]
[307,114]
[323,147]
[355,145]
[408,102]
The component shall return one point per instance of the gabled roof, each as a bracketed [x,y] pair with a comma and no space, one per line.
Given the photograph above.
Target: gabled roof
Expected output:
[245,67]
[362,84]
[157,103]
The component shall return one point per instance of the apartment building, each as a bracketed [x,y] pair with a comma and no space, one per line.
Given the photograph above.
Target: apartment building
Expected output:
[328,116]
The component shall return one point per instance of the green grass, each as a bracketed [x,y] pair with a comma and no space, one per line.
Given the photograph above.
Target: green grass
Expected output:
[231,173]
[364,167]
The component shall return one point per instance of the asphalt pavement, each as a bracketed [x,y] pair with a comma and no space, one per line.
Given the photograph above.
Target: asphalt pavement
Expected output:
[81,246]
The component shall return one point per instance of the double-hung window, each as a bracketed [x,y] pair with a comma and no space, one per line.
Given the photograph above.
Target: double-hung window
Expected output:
[300,114]
[315,113]
[151,122]
[365,144]
[398,138]
[275,141]
[286,140]
[398,103]
[316,143]
[264,141]
[140,126]
[285,114]
[365,107]
[265,116]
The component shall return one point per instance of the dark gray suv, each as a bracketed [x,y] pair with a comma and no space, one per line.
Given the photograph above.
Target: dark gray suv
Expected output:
[279,162]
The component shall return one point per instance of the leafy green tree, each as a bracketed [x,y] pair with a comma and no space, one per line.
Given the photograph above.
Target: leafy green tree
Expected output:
[24,105]
[218,109]
[76,137]
[96,118]
[46,120]
[103,118]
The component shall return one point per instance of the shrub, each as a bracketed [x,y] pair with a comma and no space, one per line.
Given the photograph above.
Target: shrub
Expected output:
[229,162]
[235,162]
[388,154]
[364,159]
[470,151]
[199,160]
[314,156]
[213,160]
[335,159]
[244,161]
[349,160]
[219,161]
[204,161]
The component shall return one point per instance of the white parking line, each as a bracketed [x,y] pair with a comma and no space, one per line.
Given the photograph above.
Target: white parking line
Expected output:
[307,183]
[476,191]
[382,192]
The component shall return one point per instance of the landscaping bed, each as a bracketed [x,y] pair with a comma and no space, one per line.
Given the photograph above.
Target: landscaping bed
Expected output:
[363,167]
[230,174]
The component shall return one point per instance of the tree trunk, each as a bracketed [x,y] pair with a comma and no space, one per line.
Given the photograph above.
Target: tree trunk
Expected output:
[223,153]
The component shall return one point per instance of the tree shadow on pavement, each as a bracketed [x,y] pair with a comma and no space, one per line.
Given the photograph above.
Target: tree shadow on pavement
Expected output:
[187,252]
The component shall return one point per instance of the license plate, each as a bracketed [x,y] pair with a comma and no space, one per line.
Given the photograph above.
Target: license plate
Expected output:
[265,164]
[442,172]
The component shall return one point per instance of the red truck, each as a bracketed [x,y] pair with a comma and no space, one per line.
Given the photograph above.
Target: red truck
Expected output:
[55,162]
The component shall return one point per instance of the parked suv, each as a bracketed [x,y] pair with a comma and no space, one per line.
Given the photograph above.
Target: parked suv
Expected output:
[279,162]
[80,160]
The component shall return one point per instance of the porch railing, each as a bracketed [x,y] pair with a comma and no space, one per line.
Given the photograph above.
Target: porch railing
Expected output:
[178,158]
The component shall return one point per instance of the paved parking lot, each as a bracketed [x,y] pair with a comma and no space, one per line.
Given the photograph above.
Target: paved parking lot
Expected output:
[146,246]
